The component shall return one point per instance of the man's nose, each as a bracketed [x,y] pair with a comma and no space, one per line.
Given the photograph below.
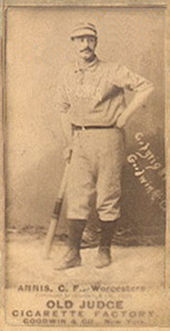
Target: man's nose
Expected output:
[85,43]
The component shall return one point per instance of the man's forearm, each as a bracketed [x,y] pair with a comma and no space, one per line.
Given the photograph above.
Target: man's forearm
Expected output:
[138,101]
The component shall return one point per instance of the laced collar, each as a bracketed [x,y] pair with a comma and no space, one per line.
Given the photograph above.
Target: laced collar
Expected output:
[88,66]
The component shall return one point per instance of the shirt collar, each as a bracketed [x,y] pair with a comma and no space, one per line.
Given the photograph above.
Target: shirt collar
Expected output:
[89,66]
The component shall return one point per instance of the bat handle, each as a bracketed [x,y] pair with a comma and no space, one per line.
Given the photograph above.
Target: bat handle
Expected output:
[63,183]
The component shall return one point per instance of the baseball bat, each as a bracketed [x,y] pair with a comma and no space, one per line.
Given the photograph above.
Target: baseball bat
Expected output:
[56,214]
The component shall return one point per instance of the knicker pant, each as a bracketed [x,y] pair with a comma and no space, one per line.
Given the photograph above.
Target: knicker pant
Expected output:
[96,165]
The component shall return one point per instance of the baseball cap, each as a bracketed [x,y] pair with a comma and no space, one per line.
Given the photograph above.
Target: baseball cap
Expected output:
[83,29]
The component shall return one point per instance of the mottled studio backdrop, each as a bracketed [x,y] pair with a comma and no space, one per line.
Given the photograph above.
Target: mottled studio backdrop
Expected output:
[37,47]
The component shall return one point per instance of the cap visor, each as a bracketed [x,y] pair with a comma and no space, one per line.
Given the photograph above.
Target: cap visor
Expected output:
[83,32]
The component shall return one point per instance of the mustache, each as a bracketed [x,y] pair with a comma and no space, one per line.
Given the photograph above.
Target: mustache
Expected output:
[85,49]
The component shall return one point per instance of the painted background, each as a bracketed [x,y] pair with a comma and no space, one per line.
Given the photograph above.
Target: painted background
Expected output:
[37,47]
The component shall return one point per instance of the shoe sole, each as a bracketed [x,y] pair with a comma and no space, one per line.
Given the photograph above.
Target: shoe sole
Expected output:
[102,266]
[78,264]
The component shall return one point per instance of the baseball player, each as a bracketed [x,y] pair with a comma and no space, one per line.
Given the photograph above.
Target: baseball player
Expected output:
[91,98]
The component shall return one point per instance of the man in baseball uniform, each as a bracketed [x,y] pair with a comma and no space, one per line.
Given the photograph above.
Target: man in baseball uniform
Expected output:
[91,98]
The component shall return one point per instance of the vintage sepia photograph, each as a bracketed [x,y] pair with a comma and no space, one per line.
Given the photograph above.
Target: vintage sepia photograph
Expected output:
[85,164]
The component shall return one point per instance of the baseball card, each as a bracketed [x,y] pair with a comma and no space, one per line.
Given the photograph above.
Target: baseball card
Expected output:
[84,226]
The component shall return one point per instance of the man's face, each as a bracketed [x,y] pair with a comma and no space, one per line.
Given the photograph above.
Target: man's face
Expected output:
[85,46]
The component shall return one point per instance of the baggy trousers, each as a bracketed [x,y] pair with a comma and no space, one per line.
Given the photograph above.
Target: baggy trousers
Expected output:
[95,167]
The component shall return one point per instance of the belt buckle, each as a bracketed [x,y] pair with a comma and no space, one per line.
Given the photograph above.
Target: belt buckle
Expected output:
[83,128]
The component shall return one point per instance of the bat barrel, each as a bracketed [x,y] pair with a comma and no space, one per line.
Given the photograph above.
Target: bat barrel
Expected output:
[52,228]
[55,216]
[50,237]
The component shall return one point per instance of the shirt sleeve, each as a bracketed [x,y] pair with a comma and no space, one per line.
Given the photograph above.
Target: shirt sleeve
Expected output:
[63,103]
[127,79]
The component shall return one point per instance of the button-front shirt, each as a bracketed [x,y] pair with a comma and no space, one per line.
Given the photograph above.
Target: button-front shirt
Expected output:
[95,94]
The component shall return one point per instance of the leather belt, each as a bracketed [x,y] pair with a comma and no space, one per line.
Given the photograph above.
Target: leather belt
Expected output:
[88,127]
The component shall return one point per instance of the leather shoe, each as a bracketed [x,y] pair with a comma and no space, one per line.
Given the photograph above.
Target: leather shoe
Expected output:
[71,259]
[103,257]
